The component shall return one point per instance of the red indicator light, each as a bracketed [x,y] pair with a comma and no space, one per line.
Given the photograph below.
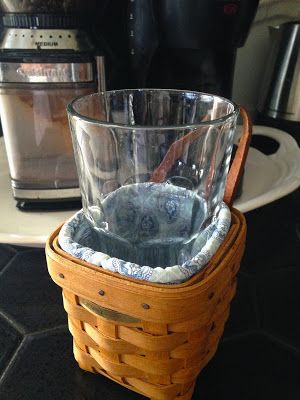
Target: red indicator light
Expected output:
[230,8]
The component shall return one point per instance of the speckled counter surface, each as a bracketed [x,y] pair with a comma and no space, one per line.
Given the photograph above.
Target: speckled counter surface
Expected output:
[258,357]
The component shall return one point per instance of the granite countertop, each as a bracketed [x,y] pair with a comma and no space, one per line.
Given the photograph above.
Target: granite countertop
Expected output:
[258,357]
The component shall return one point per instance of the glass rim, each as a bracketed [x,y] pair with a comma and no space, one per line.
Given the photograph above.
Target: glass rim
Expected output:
[74,114]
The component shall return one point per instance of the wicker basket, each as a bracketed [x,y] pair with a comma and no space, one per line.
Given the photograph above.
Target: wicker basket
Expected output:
[151,338]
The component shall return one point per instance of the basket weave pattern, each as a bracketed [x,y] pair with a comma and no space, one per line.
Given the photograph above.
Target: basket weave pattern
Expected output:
[153,339]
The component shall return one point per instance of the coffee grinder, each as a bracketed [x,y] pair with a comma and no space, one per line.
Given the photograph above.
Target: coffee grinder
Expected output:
[46,59]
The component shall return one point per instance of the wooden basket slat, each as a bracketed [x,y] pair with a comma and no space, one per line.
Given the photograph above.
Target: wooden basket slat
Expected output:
[152,343]
[161,308]
[156,392]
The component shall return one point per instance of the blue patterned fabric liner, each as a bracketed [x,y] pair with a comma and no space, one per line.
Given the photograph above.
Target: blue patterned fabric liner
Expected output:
[79,239]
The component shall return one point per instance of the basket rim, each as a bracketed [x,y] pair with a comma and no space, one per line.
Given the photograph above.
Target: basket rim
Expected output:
[205,276]
[159,303]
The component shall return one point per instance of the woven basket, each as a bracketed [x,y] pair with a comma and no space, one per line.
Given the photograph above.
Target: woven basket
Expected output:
[151,338]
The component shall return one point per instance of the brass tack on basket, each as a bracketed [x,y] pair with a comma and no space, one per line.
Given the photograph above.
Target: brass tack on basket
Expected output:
[145,306]
[101,292]
[61,275]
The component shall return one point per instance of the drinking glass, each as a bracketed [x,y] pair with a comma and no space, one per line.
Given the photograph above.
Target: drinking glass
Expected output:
[152,168]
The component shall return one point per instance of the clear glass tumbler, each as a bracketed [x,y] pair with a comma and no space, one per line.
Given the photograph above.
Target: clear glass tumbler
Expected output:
[152,168]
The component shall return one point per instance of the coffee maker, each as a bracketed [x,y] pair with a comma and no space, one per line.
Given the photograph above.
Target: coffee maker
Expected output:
[47,57]
[187,44]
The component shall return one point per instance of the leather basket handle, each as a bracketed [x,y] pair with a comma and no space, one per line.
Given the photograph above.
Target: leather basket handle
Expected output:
[177,148]
[239,160]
